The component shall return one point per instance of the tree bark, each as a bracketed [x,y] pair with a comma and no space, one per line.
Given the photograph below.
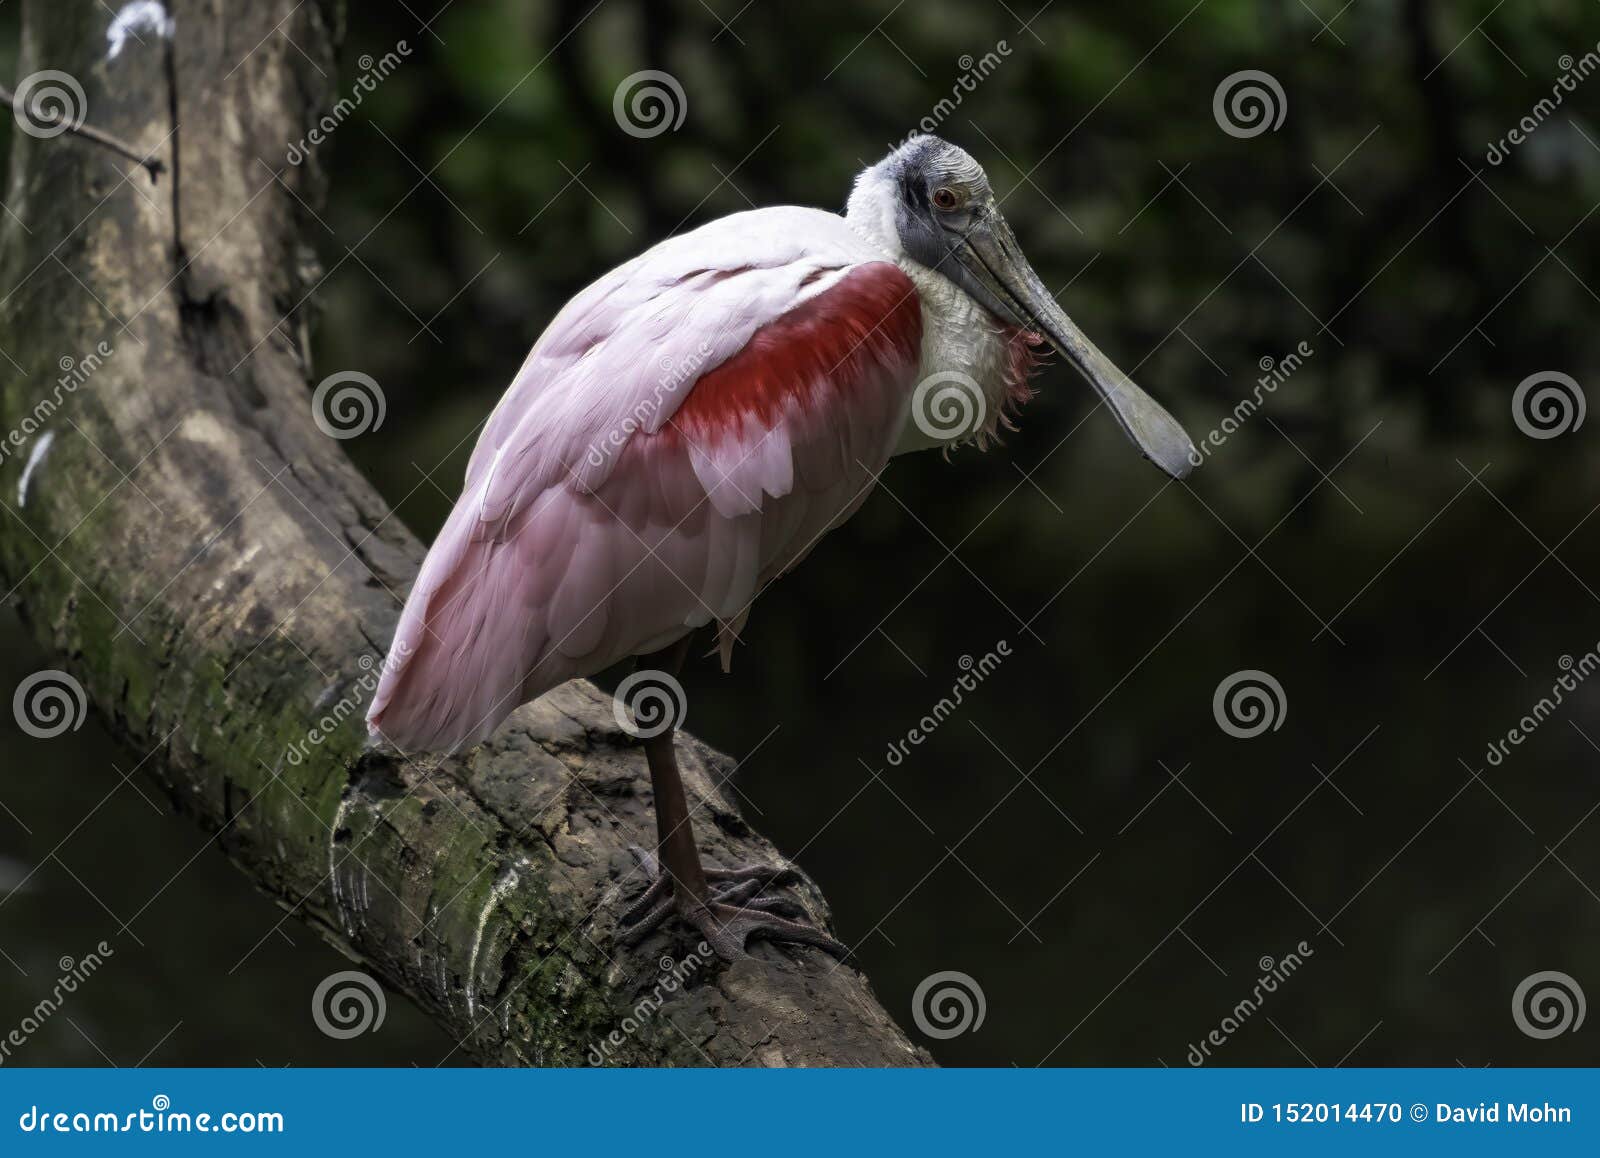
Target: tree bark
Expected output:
[209,565]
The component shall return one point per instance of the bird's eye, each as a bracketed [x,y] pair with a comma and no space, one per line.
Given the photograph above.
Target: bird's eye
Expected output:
[944,198]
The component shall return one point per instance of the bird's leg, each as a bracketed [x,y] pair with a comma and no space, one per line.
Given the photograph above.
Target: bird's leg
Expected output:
[675,836]
[731,913]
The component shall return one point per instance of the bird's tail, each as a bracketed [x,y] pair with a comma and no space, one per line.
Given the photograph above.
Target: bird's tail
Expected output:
[454,672]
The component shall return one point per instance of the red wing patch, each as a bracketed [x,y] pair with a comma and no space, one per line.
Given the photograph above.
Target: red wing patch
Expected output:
[842,337]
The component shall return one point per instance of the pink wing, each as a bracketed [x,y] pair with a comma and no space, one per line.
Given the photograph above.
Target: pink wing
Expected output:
[687,428]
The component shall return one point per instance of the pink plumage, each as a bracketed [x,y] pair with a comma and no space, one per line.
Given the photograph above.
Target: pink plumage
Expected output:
[684,432]
[687,429]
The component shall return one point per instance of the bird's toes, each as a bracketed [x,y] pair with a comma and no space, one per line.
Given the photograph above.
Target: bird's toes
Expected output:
[741,925]
[656,894]
[764,873]
[747,895]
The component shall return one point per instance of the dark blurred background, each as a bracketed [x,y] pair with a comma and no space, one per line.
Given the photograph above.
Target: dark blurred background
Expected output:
[1081,838]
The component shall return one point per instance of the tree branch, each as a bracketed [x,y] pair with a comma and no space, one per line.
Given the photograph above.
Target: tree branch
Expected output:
[62,124]
[207,561]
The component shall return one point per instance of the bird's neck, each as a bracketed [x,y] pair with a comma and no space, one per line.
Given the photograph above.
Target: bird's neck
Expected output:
[961,340]
[870,214]
[978,364]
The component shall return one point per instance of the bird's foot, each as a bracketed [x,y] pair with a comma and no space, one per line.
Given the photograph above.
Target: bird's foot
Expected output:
[735,912]
[727,885]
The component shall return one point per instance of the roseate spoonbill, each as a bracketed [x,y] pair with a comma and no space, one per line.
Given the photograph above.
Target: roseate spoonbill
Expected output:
[685,431]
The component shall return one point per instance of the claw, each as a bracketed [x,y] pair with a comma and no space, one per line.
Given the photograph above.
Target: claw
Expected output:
[660,887]
[648,922]
[747,895]
[736,912]
[728,929]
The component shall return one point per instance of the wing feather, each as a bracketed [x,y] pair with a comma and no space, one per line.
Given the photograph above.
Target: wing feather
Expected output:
[684,432]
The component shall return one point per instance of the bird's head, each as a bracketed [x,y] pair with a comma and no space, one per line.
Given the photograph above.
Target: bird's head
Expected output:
[936,200]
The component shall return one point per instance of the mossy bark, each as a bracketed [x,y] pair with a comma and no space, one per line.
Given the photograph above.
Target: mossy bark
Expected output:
[210,566]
